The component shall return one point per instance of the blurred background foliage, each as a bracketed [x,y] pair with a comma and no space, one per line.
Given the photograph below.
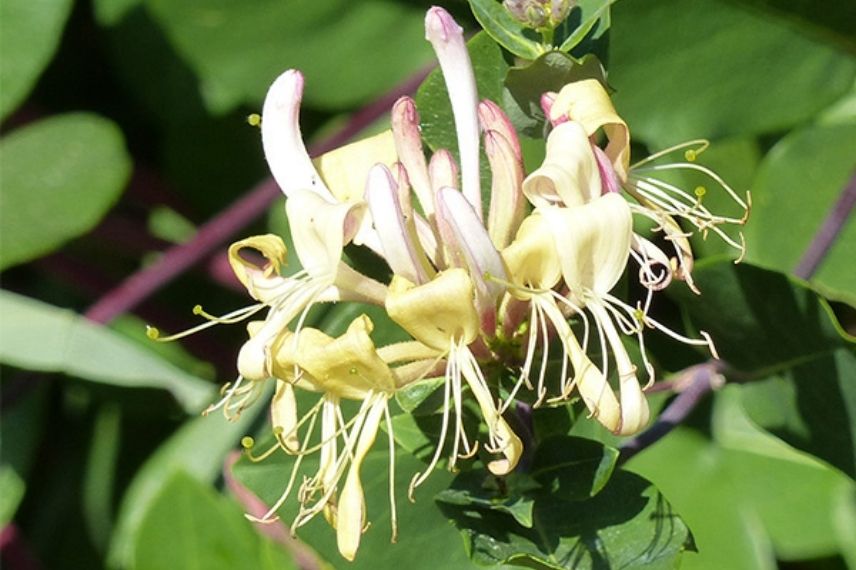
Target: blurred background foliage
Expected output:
[124,129]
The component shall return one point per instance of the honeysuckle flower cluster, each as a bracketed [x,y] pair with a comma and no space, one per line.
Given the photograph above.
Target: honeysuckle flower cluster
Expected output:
[476,283]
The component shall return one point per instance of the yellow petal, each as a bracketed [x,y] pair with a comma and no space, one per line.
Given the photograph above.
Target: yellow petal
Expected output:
[348,366]
[345,169]
[587,102]
[531,258]
[437,312]
[251,275]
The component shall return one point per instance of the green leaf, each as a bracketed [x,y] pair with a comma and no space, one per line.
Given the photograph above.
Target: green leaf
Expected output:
[38,336]
[100,477]
[22,424]
[761,321]
[27,46]
[573,468]
[421,527]
[550,72]
[711,68]
[792,197]
[590,13]
[786,336]
[506,30]
[629,524]
[60,176]
[189,526]
[481,490]
[198,448]
[111,12]
[237,49]
[748,499]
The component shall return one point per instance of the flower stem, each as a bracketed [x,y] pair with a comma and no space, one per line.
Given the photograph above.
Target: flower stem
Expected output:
[828,232]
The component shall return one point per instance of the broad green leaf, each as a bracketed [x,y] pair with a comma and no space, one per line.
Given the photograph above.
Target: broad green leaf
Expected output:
[60,176]
[761,321]
[237,49]
[797,186]
[712,68]
[748,500]
[573,467]
[421,527]
[199,449]
[588,18]
[506,30]
[32,30]
[479,489]
[111,12]
[550,72]
[38,336]
[629,524]
[189,526]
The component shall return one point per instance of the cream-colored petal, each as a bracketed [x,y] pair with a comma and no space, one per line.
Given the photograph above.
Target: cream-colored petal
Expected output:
[447,39]
[593,242]
[352,504]
[437,312]
[284,150]
[469,245]
[321,229]
[443,172]
[283,415]
[569,174]
[587,102]
[345,169]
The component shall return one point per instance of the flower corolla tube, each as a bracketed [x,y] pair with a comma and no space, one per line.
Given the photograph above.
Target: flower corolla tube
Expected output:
[485,286]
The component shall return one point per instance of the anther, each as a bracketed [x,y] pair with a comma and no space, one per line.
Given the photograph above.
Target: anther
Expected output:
[254,119]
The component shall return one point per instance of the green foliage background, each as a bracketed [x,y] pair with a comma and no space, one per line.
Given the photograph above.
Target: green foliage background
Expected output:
[123,130]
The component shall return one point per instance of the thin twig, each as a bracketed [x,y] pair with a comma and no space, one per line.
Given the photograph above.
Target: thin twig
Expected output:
[828,232]
[699,381]
[176,260]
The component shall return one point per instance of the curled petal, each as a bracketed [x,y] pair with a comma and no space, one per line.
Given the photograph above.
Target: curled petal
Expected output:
[447,39]
[593,242]
[437,312]
[258,280]
[283,145]
[506,198]
[655,270]
[587,102]
[569,174]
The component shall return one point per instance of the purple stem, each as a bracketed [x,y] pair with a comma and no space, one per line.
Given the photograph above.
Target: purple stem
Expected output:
[828,232]
[699,380]
[176,260]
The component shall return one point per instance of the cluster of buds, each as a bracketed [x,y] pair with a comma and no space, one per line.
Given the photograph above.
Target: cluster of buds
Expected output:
[475,284]
[539,14]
